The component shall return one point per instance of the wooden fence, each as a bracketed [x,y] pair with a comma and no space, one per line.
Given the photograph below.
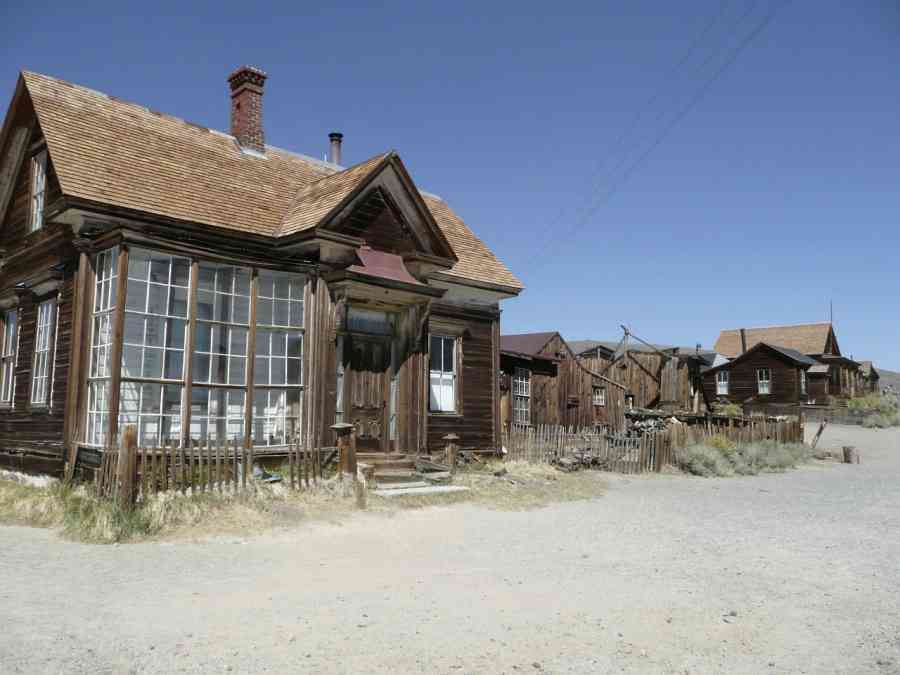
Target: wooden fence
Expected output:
[648,452]
[198,468]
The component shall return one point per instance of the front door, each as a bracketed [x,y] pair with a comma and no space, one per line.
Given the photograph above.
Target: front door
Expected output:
[367,377]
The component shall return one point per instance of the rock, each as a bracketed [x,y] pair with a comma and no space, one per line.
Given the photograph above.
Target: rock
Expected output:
[536,665]
[500,472]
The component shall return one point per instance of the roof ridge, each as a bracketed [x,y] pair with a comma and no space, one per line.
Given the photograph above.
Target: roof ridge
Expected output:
[782,325]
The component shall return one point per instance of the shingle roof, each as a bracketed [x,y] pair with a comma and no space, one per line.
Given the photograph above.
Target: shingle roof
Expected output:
[111,152]
[317,200]
[793,354]
[525,343]
[805,338]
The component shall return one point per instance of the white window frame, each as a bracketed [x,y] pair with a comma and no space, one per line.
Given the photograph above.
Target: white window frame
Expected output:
[723,380]
[277,412]
[42,359]
[521,385]
[442,390]
[803,383]
[8,353]
[599,397]
[100,370]
[38,190]
[764,384]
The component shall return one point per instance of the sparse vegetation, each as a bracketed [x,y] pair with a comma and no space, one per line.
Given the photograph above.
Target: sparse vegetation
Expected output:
[882,411]
[80,515]
[721,457]
[730,409]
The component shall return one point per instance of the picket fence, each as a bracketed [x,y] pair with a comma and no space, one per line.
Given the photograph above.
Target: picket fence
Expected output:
[198,468]
[649,452]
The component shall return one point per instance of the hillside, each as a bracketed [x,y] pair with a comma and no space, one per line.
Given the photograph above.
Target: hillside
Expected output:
[889,377]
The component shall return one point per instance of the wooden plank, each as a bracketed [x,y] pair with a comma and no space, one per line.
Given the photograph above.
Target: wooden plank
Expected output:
[118,320]
[190,348]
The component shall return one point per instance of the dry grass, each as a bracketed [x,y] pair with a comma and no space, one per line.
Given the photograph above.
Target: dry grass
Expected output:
[79,515]
[522,486]
[724,458]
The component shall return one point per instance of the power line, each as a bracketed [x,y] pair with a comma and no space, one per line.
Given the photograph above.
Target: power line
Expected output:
[744,43]
[602,172]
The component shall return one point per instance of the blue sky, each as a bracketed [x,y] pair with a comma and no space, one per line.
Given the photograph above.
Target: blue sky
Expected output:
[592,148]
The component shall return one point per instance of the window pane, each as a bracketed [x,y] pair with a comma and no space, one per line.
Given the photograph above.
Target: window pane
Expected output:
[136,296]
[159,269]
[295,345]
[205,305]
[138,265]
[174,365]
[181,272]
[153,360]
[435,353]
[203,337]
[296,314]
[237,370]
[155,331]
[178,302]
[448,355]
[293,371]
[150,398]
[134,329]
[264,311]
[131,362]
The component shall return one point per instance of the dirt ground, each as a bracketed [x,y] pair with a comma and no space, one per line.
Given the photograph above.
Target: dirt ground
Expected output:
[782,573]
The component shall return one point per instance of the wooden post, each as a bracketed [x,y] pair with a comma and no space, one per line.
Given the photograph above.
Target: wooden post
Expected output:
[346,442]
[452,451]
[115,359]
[851,454]
[126,467]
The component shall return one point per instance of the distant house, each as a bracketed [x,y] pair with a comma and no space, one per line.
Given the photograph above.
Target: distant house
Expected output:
[654,375]
[764,374]
[542,382]
[869,377]
[833,374]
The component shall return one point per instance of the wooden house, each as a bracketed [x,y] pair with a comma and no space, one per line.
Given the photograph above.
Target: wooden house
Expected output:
[765,375]
[542,382]
[833,376]
[869,379]
[653,376]
[203,285]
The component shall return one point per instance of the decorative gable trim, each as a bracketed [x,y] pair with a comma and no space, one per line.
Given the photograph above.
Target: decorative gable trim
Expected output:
[11,165]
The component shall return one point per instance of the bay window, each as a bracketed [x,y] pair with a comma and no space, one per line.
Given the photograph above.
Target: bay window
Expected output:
[443,375]
[154,394]
[8,356]
[220,353]
[278,359]
[106,273]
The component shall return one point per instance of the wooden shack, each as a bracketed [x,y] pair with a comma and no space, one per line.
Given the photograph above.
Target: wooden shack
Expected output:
[204,286]
[653,376]
[765,375]
[838,378]
[543,382]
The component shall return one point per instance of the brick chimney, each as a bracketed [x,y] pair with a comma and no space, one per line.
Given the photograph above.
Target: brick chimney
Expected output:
[246,107]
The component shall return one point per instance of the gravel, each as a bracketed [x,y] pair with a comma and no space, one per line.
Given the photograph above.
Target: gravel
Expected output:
[794,572]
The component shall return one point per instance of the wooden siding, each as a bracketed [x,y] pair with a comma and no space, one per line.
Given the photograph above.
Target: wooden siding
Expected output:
[474,423]
[742,380]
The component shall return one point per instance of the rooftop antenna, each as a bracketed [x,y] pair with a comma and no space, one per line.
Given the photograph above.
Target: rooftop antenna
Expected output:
[831,312]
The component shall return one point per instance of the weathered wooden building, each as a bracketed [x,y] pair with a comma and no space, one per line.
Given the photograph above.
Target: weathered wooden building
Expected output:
[543,382]
[764,375]
[834,375]
[203,285]
[869,379]
[653,376]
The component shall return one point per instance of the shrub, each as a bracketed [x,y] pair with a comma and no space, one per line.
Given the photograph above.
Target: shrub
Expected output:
[730,409]
[744,460]
[882,421]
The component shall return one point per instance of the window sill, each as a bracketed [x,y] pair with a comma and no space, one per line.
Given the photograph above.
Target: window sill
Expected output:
[444,414]
[39,408]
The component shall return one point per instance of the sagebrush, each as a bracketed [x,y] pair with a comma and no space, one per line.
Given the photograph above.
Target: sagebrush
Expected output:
[720,457]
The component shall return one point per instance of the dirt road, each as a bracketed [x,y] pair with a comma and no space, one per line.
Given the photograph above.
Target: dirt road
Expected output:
[796,572]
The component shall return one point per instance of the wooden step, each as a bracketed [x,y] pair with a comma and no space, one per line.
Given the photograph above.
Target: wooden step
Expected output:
[396,475]
[405,485]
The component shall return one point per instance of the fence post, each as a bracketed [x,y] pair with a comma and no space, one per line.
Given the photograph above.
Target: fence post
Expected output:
[452,450]
[126,467]
[346,442]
